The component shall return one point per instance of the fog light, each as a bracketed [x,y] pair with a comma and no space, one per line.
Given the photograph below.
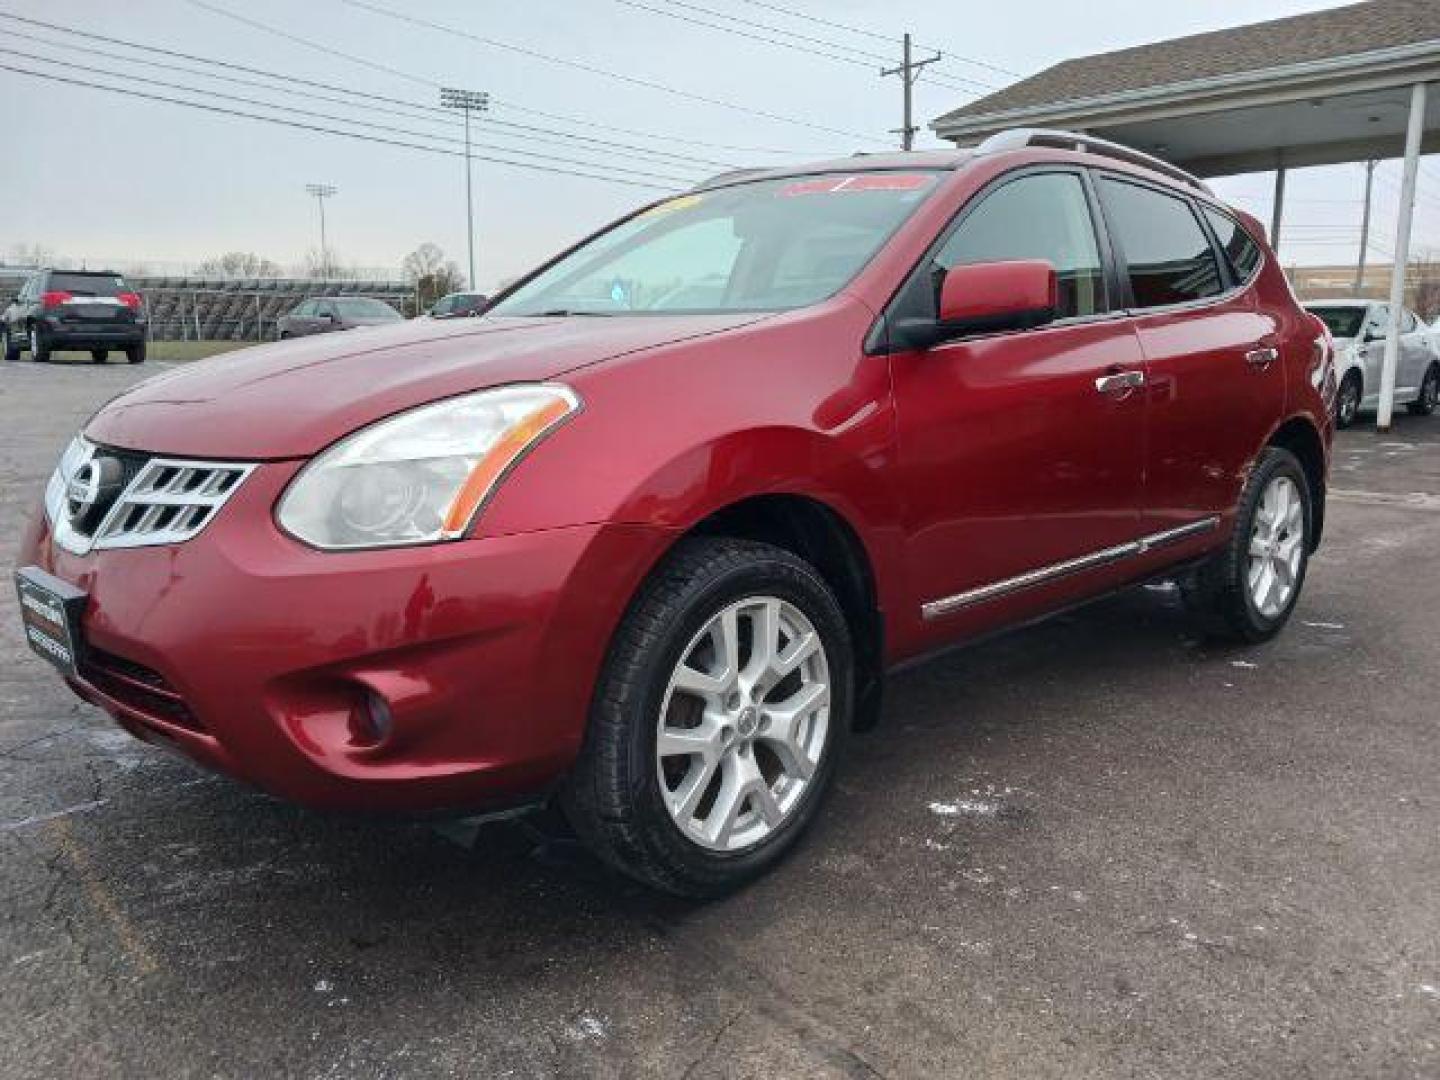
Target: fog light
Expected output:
[372,722]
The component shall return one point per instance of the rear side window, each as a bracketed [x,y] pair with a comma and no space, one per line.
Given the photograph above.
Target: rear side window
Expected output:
[1042,216]
[88,284]
[1167,255]
[1243,252]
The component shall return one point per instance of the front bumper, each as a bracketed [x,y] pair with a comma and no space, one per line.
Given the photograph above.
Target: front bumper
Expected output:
[264,659]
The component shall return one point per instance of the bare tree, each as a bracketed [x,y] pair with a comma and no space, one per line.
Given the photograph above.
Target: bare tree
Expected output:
[239,264]
[324,264]
[432,275]
[1424,278]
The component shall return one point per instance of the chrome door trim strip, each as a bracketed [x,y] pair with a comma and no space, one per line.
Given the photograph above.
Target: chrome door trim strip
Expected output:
[934,609]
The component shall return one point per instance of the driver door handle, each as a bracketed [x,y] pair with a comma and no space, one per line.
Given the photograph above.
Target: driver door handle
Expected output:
[1262,358]
[1120,380]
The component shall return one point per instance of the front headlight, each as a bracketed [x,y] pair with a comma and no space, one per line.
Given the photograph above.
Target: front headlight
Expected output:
[55,491]
[422,476]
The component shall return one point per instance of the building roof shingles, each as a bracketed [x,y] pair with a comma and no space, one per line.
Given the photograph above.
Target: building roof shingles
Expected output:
[1320,35]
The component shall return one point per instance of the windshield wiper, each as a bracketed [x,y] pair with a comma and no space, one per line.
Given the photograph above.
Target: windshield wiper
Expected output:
[559,312]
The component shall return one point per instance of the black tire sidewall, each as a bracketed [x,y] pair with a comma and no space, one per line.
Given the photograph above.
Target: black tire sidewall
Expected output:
[695,870]
[1351,380]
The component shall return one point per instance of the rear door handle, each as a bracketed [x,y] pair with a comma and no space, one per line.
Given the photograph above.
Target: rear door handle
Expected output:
[1120,380]
[1262,358]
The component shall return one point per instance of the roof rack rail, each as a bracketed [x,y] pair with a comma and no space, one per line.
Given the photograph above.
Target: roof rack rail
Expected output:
[729,177]
[1019,138]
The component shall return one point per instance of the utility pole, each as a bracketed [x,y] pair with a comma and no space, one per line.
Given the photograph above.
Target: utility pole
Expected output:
[1364,230]
[467,101]
[909,72]
[321,193]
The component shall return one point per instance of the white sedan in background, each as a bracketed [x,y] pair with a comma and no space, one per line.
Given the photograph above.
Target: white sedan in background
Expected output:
[1359,328]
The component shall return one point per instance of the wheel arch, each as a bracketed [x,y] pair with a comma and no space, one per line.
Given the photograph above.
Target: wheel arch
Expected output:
[821,535]
[1302,438]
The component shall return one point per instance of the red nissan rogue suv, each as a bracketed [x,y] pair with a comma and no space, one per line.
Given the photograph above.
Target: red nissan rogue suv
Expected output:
[645,538]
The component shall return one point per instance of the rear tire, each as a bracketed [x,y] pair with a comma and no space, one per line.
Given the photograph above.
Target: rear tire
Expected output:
[8,345]
[99,356]
[135,354]
[1347,400]
[1247,592]
[1425,404]
[707,754]
[39,345]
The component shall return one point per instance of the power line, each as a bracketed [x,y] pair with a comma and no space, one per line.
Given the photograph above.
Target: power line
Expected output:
[323,130]
[875,34]
[538,155]
[417,115]
[534,54]
[232,66]
[868,61]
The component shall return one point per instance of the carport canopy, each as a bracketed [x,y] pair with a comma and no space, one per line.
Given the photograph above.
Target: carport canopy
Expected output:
[1344,85]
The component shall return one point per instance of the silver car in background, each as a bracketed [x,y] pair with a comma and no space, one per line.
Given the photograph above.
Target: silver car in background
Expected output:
[1359,328]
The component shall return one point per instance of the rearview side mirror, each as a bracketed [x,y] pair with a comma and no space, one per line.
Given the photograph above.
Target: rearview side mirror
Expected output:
[982,298]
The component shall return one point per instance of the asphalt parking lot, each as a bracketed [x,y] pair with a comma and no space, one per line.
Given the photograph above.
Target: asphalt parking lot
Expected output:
[1095,847]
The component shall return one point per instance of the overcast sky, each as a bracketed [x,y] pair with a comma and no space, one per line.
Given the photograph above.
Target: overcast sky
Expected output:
[119,180]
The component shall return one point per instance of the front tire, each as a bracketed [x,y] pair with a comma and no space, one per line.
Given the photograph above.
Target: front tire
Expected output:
[99,356]
[8,345]
[1347,401]
[1247,592]
[39,345]
[1425,404]
[722,710]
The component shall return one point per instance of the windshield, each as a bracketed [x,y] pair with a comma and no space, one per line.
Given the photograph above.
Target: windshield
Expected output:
[1343,322]
[365,309]
[771,245]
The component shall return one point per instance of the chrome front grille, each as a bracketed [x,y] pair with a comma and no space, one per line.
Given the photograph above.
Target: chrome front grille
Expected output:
[158,500]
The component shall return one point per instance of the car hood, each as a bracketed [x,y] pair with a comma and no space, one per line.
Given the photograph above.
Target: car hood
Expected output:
[294,398]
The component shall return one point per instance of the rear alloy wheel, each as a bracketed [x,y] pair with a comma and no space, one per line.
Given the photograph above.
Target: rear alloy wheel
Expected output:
[1429,398]
[723,708]
[1347,401]
[39,346]
[99,356]
[1247,592]
[8,345]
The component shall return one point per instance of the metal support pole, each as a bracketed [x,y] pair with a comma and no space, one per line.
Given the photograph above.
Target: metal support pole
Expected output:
[1364,229]
[1402,254]
[324,245]
[1277,212]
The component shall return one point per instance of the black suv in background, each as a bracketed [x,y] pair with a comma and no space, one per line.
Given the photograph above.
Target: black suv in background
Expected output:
[74,309]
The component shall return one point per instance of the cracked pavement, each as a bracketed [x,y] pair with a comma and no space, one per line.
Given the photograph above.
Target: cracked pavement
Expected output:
[1094,847]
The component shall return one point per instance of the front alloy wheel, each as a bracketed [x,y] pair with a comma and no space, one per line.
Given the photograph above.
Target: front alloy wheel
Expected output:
[744,723]
[718,720]
[1429,398]
[1347,401]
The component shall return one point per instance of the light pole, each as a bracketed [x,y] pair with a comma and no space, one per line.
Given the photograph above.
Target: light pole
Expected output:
[467,101]
[321,193]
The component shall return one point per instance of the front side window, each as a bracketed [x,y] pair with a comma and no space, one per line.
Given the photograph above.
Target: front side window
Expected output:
[1043,216]
[1167,255]
[362,308]
[1239,248]
[769,245]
